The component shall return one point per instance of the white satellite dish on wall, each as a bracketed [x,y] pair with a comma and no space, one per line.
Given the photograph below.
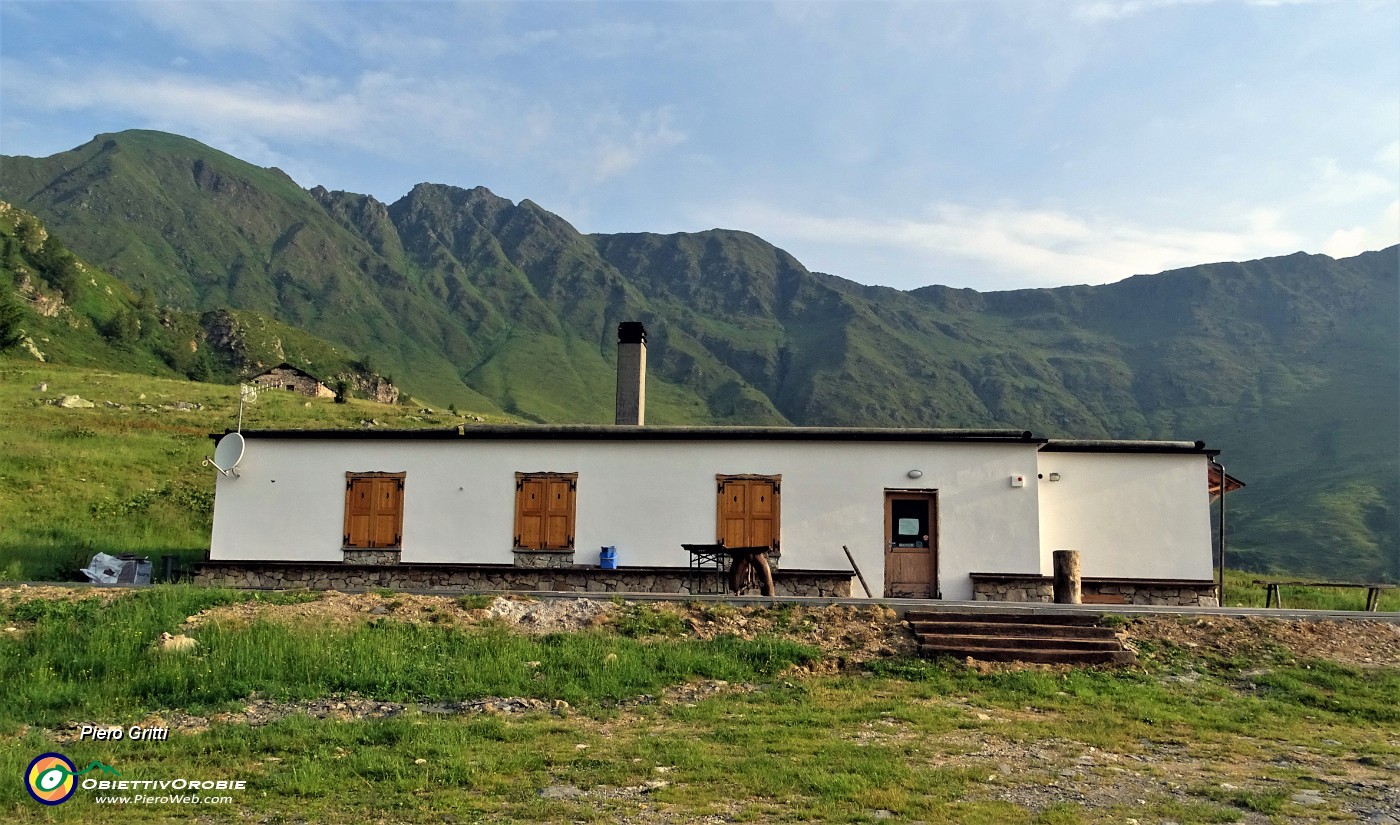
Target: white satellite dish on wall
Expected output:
[227,454]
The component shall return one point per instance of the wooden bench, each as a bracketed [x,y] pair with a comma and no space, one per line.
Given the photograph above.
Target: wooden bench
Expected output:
[1273,598]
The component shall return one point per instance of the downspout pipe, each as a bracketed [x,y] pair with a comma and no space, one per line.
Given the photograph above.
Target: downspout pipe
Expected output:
[1220,582]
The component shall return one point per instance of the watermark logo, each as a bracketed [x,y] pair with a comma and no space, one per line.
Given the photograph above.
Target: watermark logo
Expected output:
[52,777]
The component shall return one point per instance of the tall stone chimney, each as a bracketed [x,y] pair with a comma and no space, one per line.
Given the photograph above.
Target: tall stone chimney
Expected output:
[631,373]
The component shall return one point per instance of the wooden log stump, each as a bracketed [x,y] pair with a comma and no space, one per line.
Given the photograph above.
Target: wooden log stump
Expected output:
[1067,584]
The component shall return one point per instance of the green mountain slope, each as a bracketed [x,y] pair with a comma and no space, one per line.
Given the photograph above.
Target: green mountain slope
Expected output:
[1287,363]
[68,311]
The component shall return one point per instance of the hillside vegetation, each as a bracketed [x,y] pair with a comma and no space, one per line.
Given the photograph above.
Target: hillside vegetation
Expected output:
[1288,364]
[79,314]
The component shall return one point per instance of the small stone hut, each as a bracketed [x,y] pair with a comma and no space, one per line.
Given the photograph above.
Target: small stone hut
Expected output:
[287,377]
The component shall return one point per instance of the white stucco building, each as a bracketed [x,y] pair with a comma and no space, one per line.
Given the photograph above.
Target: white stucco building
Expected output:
[921,511]
[918,513]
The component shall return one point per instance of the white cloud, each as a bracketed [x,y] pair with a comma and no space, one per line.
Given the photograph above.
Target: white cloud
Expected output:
[1096,11]
[1340,186]
[1389,158]
[1383,232]
[1005,247]
[380,112]
[264,28]
[1099,11]
[625,142]
[181,98]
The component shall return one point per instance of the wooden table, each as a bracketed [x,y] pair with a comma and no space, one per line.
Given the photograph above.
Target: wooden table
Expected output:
[745,559]
[1272,597]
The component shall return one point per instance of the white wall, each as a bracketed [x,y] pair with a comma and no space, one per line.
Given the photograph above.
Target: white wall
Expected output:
[1128,514]
[644,497]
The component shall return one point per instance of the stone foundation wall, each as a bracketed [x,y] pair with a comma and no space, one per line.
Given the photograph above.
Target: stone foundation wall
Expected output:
[575,579]
[552,559]
[1182,595]
[1028,590]
[1001,587]
[375,556]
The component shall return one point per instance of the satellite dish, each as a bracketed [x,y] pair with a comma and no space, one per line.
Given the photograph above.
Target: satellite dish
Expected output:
[227,454]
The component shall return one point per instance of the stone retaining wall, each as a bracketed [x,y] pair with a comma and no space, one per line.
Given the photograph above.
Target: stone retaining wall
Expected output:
[1006,587]
[576,579]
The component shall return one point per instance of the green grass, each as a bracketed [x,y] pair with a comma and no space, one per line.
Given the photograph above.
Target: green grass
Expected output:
[84,659]
[648,620]
[903,737]
[1118,707]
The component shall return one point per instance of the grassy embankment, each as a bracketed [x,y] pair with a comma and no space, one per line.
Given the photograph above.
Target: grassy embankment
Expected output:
[900,739]
[128,478]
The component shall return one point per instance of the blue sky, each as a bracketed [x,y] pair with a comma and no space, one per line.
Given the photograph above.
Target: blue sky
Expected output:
[991,145]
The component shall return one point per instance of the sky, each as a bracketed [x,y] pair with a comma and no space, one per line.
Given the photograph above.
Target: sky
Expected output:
[992,145]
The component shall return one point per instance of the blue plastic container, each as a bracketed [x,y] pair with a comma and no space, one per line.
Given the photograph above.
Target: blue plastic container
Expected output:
[607,558]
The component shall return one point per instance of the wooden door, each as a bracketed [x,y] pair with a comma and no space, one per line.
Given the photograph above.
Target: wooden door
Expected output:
[911,544]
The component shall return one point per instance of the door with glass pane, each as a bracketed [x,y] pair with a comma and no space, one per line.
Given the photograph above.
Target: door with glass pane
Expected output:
[911,544]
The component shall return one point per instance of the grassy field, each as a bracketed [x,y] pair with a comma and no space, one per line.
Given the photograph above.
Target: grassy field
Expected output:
[1185,738]
[1242,591]
[125,476]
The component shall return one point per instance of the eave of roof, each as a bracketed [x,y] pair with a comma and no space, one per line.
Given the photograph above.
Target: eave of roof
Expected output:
[1065,445]
[650,433]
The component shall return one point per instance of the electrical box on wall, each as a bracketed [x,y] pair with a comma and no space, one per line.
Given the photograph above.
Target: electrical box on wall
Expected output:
[1018,481]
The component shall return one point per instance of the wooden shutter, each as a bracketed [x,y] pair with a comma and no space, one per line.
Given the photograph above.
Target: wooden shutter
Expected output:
[388,510]
[763,513]
[544,510]
[374,509]
[359,511]
[559,514]
[748,511]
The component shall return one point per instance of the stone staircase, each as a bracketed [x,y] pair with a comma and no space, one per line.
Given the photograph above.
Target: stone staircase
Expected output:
[1019,637]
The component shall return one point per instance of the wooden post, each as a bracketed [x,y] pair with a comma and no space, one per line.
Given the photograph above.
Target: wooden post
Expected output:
[1067,577]
[859,574]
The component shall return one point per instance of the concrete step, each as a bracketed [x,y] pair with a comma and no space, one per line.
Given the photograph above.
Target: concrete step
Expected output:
[1018,642]
[1009,617]
[1029,628]
[1003,654]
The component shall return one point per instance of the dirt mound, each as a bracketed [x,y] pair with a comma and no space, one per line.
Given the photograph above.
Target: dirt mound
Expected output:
[347,609]
[1355,642]
[24,593]
[845,633]
[552,616]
